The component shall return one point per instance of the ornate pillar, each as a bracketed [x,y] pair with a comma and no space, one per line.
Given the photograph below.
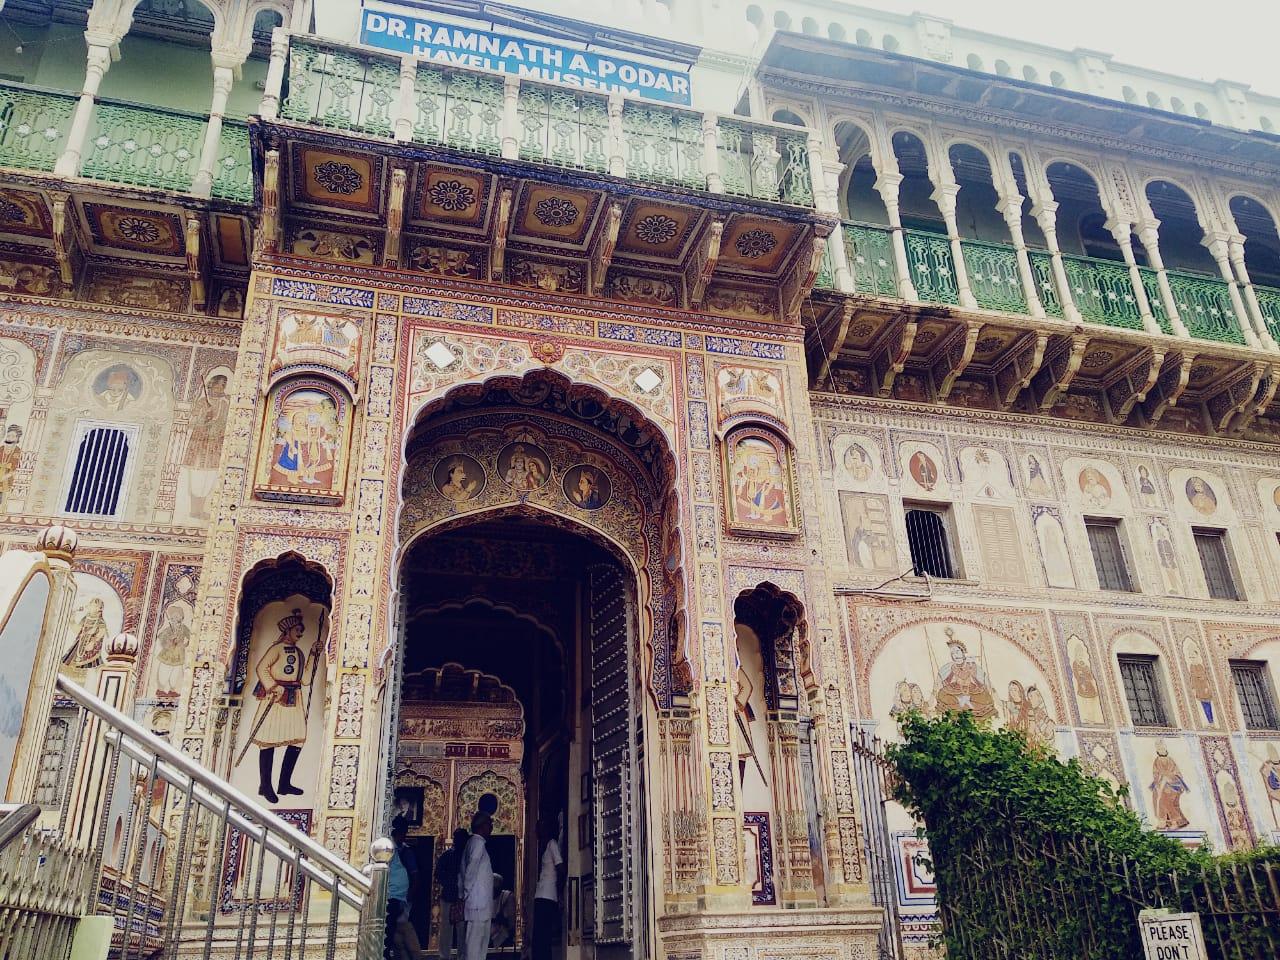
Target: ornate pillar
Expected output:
[510,117]
[1218,247]
[617,141]
[1148,232]
[887,183]
[97,62]
[1122,232]
[223,79]
[270,108]
[945,190]
[1045,210]
[841,272]
[791,840]
[403,129]
[1235,251]
[711,152]
[1010,207]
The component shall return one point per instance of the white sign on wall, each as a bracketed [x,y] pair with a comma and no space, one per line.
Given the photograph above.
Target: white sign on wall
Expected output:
[462,45]
[1171,936]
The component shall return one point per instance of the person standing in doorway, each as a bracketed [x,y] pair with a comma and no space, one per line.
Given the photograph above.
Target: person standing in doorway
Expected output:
[402,886]
[475,886]
[546,895]
[447,869]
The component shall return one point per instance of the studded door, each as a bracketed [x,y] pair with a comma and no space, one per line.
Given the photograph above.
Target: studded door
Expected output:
[613,739]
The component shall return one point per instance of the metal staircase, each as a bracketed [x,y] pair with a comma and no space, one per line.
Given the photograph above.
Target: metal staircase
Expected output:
[152,857]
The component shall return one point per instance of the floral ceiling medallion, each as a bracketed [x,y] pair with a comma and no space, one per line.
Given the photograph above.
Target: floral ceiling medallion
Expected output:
[656,229]
[452,196]
[338,177]
[138,230]
[755,243]
[556,212]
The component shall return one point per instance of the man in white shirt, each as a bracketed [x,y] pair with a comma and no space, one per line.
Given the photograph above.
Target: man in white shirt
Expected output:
[475,887]
[546,895]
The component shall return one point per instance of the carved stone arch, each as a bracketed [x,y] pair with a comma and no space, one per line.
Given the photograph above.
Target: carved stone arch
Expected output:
[775,616]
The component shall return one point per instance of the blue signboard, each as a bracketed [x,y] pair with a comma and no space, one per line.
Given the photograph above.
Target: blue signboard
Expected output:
[450,43]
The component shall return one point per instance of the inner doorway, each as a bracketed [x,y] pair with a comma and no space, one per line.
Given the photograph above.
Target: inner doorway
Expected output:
[519,680]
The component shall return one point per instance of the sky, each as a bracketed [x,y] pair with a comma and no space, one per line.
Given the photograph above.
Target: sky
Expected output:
[1236,40]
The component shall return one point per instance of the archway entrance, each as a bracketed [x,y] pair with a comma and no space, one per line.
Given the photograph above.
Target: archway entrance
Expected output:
[538,560]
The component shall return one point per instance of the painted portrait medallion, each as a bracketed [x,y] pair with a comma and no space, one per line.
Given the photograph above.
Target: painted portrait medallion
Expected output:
[116,387]
[524,466]
[858,462]
[587,487]
[458,477]
[1095,487]
[1201,496]
[923,470]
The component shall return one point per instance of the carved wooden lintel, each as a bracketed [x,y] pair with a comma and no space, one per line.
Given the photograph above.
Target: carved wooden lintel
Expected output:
[602,249]
[1169,385]
[391,252]
[1262,398]
[1024,362]
[501,226]
[831,340]
[953,358]
[1234,395]
[891,357]
[798,282]
[1061,364]
[703,263]
[1132,387]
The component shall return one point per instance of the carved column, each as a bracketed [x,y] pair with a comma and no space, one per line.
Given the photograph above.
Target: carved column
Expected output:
[1218,248]
[1149,234]
[617,141]
[1046,214]
[1235,251]
[274,84]
[945,190]
[711,152]
[403,127]
[841,271]
[1121,231]
[510,117]
[887,183]
[1010,207]
[223,79]
[97,62]
[791,839]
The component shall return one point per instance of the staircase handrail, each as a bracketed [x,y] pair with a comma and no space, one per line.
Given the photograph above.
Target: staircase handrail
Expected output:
[15,820]
[217,795]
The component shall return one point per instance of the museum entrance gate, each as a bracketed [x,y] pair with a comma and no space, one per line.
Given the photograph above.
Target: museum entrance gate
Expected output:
[519,679]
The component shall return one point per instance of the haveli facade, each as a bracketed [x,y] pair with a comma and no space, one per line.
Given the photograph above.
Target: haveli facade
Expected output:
[627,461]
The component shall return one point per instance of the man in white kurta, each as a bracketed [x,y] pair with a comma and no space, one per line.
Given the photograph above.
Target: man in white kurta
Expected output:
[475,886]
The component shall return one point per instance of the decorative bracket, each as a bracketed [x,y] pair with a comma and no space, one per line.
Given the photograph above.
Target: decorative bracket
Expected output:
[1023,364]
[1132,386]
[1059,369]
[953,358]
[829,346]
[1262,399]
[891,357]
[267,239]
[194,229]
[64,238]
[703,263]
[1169,385]
[395,217]
[799,280]
[1235,396]
[501,227]
[602,249]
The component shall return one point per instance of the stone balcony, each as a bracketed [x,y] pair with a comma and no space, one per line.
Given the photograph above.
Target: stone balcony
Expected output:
[1118,358]
[412,165]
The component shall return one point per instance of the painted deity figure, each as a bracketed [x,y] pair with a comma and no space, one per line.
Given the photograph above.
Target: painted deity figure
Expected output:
[963,684]
[171,644]
[1201,686]
[204,445]
[524,471]
[1167,788]
[457,486]
[10,459]
[280,719]
[1037,482]
[1086,682]
[1270,772]
[91,634]
[587,493]
[289,457]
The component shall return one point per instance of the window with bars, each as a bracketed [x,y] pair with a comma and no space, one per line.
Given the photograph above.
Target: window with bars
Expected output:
[1108,555]
[929,537]
[100,470]
[1216,564]
[1141,679]
[1257,699]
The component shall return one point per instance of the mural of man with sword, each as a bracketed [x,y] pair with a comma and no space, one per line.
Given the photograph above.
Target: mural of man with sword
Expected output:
[284,704]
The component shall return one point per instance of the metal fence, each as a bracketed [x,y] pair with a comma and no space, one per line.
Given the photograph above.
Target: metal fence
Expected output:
[182,862]
[874,776]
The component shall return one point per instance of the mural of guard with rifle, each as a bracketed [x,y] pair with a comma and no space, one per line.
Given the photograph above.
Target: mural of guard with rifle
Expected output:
[284,704]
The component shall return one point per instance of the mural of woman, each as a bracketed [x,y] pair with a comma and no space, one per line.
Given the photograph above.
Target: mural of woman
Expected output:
[1201,685]
[91,634]
[1167,787]
[289,439]
[1040,724]
[1017,715]
[284,704]
[759,494]
[1085,680]
[1270,773]
[1201,496]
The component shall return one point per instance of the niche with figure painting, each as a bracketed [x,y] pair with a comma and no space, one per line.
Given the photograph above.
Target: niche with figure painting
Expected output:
[305,440]
[759,482]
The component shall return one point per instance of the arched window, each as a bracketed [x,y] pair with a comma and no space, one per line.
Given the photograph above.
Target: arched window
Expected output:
[810,26]
[1003,69]
[1202,111]
[782,21]
[1057,79]
[100,469]
[929,538]
[1176,105]
[1265,125]
[1030,73]
[890,43]
[1154,100]
[863,38]
[835,31]
[1130,95]
[974,62]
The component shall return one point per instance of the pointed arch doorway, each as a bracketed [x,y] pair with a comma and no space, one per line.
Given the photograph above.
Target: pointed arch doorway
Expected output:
[535,565]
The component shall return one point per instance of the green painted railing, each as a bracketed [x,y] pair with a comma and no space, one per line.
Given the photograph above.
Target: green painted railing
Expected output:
[1102,291]
[932,270]
[1151,287]
[993,276]
[33,126]
[1046,287]
[343,88]
[233,174]
[870,252]
[1204,304]
[143,146]
[1269,304]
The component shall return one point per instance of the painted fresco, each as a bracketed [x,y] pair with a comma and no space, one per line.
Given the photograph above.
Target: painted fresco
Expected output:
[758,481]
[304,454]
